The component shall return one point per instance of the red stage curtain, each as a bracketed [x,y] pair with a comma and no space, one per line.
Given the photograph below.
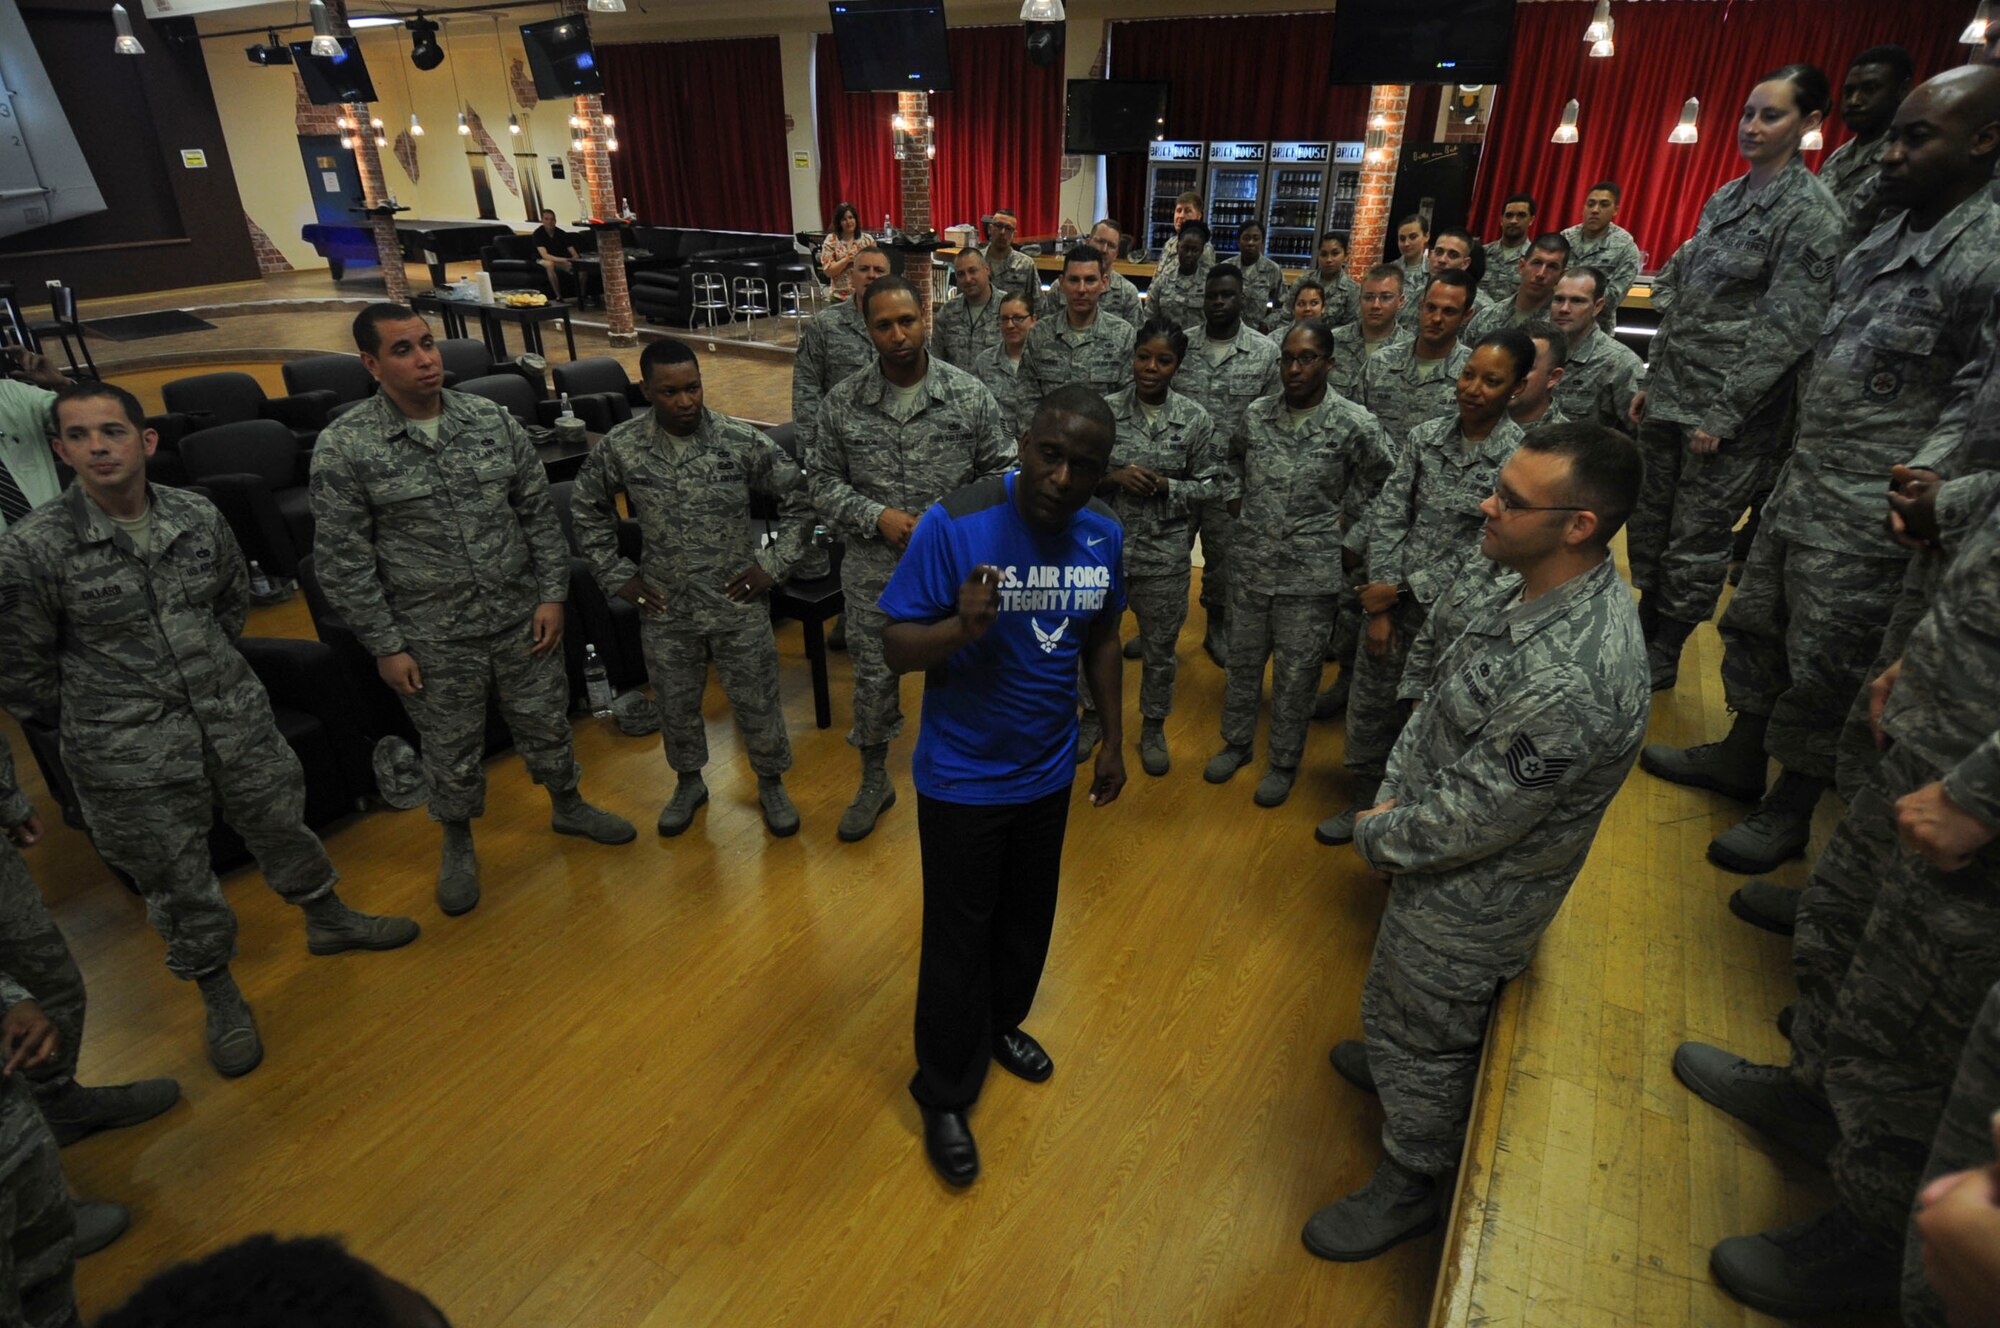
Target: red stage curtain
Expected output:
[856,148]
[1668,51]
[1250,77]
[701,132]
[999,137]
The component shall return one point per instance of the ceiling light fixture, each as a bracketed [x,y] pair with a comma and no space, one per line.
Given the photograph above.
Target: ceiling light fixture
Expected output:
[1600,22]
[1602,48]
[323,42]
[1812,141]
[1566,131]
[1685,131]
[125,43]
[1982,19]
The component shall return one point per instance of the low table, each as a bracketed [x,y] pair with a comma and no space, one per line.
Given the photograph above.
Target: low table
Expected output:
[493,317]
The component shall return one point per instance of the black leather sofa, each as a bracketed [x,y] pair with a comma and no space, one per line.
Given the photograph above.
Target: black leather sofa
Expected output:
[661,289]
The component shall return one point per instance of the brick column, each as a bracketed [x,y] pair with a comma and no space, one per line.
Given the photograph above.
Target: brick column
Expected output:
[915,178]
[602,192]
[375,193]
[1388,106]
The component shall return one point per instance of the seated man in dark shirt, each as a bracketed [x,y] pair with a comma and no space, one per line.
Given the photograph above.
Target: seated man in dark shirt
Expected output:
[557,253]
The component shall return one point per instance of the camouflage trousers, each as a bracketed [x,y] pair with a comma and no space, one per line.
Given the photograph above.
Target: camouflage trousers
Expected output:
[1679,536]
[1964,1141]
[34,953]
[1929,956]
[158,836]
[1859,758]
[1833,913]
[1159,602]
[37,1223]
[1218,535]
[1375,717]
[1798,637]
[1424,1019]
[450,715]
[878,693]
[746,660]
[1290,631]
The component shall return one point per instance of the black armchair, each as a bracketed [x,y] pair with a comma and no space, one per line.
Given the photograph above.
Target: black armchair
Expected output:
[602,376]
[512,392]
[609,623]
[514,264]
[342,375]
[232,398]
[264,453]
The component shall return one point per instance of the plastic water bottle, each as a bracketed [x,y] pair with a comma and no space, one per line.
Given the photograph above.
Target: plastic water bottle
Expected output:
[567,413]
[596,683]
[260,584]
[816,563]
[625,212]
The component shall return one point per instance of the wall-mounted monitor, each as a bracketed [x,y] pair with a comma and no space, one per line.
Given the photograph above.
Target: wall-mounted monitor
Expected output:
[331,80]
[890,46]
[1422,41]
[1107,116]
[561,57]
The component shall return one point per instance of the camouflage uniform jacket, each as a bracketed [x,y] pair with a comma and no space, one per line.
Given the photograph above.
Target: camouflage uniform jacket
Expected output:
[961,329]
[1400,399]
[1946,702]
[1883,372]
[1599,381]
[1614,253]
[1177,295]
[1099,357]
[1120,297]
[1492,316]
[694,517]
[1851,173]
[15,809]
[1503,271]
[1180,443]
[1501,777]
[1477,585]
[136,655]
[1424,525]
[1300,492]
[1343,297]
[1263,288]
[1016,274]
[1351,353]
[833,347]
[1002,377]
[1167,255]
[1415,283]
[1743,297]
[434,541]
[1225,389]
[865,460]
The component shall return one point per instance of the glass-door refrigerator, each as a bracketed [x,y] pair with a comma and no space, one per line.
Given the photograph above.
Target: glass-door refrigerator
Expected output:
[1298,201]
[1343,185]
[1172,169]
[1235,194]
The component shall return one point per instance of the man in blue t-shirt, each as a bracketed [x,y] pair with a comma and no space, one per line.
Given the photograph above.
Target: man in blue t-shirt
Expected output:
[1007,586]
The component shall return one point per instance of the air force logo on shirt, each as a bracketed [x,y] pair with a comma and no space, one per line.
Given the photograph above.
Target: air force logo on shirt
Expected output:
[1049,640]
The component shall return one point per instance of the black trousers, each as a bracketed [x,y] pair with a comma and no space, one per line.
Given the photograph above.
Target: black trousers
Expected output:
[990,877]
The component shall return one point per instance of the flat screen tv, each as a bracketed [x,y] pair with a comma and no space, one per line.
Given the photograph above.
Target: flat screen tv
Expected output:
[333,79]
[1422,41]
[890,46]
[1105,116]
[561,57]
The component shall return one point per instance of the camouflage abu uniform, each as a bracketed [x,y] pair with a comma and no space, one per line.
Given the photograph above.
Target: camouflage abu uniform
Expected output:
[1177,296]
[1823,575]
[160,717]
[443,548]
[32,949]
[868,457]
[1500,782]
[1002,377]
[692,503]
[1342,293]
[1600,378]
[1416,281]
[1964,1141]
[961,331]
[1614,253]
[1495,315]
[1400,397]
[1098,357]
[1299,493]
[1224,388]
[1120,297]
[833,347]
[1351,352]
[1503,270]
[1743,297]
[1851,173]
[1179,442]
[1931,950]
[1420,533]
[1263,288]
[1015,274]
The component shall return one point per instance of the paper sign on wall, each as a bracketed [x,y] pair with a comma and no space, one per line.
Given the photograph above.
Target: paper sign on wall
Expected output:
[802,161]
[194,159]
[329,181]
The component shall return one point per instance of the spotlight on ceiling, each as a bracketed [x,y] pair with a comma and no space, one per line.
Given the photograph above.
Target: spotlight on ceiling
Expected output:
[425,53]
[272,51]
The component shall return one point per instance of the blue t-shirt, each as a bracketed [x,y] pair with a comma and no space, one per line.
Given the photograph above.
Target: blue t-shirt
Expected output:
[999,720]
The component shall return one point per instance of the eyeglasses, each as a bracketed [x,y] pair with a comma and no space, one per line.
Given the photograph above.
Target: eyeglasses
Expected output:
[1507,504]
[1305,361]
[1017,318]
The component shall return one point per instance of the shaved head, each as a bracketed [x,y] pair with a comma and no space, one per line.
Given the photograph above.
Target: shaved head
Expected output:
[1942,143]
[1967,94]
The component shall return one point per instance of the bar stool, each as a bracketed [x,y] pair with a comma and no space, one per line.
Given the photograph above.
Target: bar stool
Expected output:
[753,301]
[65,324]
[795,302]
[711,297]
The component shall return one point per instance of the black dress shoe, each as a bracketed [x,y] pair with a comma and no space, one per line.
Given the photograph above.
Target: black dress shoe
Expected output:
[1019,1054]
[948,1141]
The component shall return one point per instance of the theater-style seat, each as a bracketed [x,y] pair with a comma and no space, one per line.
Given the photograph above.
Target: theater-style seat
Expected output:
[232,398]
[342,375]
[267,453]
